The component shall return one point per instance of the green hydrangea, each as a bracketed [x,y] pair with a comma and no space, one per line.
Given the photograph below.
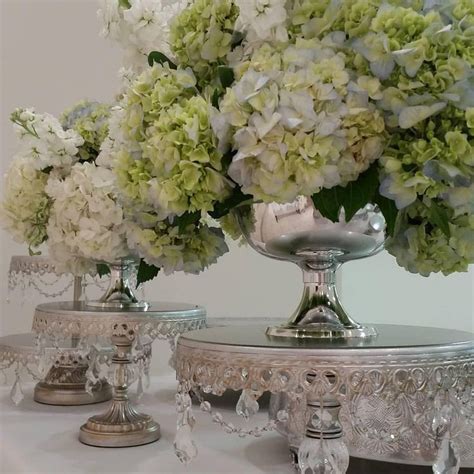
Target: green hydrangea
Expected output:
[421,246]
[201,36]
[437,157]
[26,207]
[166,246]
[90,121]
[178,167]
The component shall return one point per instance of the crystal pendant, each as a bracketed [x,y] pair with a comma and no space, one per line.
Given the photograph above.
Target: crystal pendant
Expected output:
[184,446]
[448,460]
[321,456]
[247,406]
[16,393]
[140,390]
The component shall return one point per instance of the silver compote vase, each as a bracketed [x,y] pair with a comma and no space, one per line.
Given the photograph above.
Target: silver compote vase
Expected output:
[297,232]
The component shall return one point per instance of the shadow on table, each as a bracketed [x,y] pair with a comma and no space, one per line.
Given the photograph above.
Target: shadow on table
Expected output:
[364,466]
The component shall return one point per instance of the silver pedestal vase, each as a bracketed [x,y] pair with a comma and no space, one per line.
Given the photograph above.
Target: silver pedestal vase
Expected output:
[120,294]
[297,232]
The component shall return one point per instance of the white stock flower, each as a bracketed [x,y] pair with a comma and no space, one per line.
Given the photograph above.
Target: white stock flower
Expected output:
[43,139]
[139,26]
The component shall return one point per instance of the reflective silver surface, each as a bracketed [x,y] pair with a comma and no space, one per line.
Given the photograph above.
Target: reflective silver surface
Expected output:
[298,233]
[119,293]
[400,393]
[391,339]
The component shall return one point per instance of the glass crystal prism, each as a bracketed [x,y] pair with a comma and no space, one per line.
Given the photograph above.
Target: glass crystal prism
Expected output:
[448,460]
[320,456]
[16,393]
[247,406]
[184,446]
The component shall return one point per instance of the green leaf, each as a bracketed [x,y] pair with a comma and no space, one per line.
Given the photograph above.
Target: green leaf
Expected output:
[125,4]
[227,159]
[226,76]
[328,203]
[215,98]
[146,272]
[32,253]
[352,197]
[439,217]
[389,211]
[186,219]
[160,58]
[237,38]
[223,208]
[102,269]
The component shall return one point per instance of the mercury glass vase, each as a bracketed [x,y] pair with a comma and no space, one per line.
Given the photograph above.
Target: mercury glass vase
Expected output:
[298,233]
[120,294]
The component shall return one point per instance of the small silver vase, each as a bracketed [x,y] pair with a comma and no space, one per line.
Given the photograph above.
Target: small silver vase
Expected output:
[297,232]
[120,294]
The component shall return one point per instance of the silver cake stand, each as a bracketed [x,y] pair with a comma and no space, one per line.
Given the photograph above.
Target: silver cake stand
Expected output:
[121,425]
[405,396]
[64,365]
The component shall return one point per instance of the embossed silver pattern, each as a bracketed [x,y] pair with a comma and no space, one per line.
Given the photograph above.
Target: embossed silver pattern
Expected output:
[121,425]
[392,376]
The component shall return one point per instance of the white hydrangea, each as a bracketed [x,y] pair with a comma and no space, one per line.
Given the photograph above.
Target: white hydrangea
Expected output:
[263,19]
[86,222]
[43,139]
[300,120]
[139,26]
[25,208]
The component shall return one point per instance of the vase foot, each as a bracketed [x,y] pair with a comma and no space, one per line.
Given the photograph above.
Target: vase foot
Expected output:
[133,429]
[321,331]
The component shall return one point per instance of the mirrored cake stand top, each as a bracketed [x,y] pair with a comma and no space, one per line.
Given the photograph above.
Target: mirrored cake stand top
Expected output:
[390,388]
[78,319]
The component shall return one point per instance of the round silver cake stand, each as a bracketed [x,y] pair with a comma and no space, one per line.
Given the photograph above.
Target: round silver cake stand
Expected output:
[417,382]
[121,425]
[64,378]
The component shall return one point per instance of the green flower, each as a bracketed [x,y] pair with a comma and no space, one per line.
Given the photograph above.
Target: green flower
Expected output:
[420,246]
[161,244]
[26,207]
[90,121]
[201,36]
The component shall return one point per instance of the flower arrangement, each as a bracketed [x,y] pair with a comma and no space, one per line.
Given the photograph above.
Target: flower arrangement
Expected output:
[346,101]
[56,194]
[233,101]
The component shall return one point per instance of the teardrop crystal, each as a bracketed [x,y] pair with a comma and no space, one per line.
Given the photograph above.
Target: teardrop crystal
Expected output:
[16,393]
[247,406]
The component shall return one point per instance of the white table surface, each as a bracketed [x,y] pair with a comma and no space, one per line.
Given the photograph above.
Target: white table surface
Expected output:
[38,438]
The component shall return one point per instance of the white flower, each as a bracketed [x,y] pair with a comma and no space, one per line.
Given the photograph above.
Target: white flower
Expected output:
[263,18]
[86,221]
[43,139]
[140,29]
[25,209]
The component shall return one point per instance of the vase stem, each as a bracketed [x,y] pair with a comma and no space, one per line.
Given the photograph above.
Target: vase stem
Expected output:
[320,314]
[119,293]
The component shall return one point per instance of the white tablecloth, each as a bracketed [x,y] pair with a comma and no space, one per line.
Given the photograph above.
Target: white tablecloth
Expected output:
[38,438]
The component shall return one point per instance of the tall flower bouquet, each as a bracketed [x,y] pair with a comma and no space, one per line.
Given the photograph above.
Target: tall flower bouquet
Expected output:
[346,101]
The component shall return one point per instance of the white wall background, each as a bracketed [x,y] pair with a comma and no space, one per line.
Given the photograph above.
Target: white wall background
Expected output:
[52,56]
